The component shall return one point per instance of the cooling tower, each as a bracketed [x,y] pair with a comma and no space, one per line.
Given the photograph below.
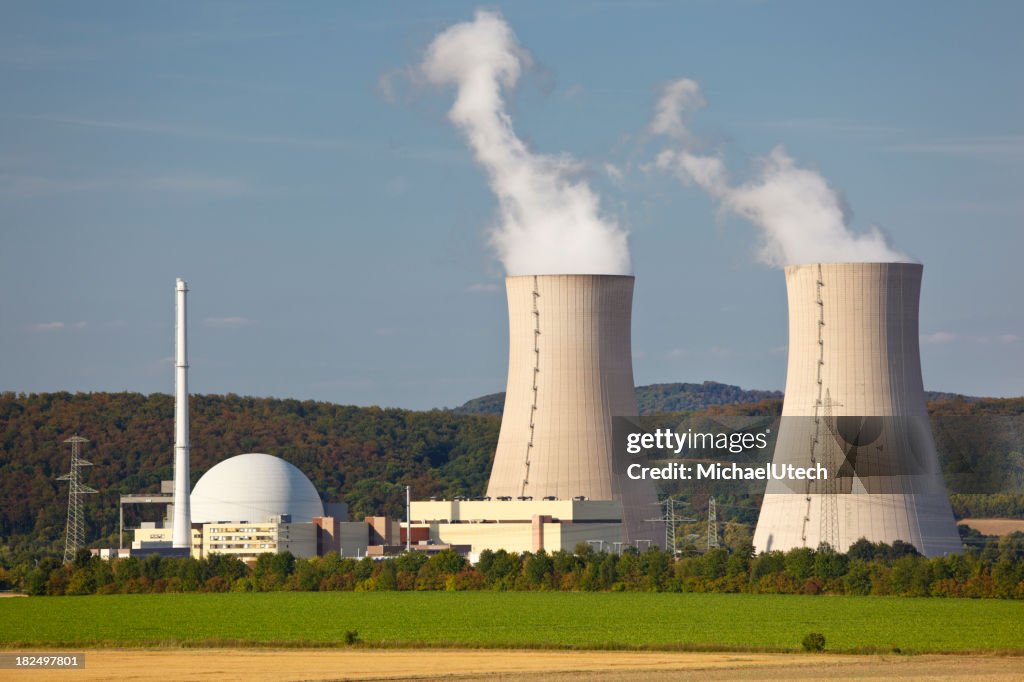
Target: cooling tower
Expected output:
[855,404]
[570,371]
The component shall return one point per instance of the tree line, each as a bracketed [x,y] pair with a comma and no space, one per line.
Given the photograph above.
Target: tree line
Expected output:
[996,571]
[364,456]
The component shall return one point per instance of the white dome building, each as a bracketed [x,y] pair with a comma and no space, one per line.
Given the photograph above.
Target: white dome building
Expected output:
[254,488]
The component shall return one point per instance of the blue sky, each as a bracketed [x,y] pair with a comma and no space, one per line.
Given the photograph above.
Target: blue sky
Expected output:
[333,229]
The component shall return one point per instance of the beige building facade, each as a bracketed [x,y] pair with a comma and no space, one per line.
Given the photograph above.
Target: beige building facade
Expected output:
[521,525]
[245,541]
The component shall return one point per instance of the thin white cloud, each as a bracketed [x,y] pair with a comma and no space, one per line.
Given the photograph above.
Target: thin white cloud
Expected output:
[482,288]
[679,353]
[156,128]
[573,91]
[938,337]
[614,172]
[227,322]
[982,146]
[13,186]
[343,383]
[191,183]
[999,338]
[386,84]
[45,327]
[833,125]
[55,326]
[44,55]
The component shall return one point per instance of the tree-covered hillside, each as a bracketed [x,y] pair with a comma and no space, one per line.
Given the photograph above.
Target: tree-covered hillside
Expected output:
[653,399]
[680,397]
[364,456]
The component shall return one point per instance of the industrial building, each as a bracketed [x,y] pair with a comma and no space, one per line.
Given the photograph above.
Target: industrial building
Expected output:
[245,506]
[557,479]
[855,402]
[519,525]
[255,503]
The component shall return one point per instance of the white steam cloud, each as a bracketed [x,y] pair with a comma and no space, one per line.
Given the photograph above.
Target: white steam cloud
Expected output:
[801,217]
[550,221]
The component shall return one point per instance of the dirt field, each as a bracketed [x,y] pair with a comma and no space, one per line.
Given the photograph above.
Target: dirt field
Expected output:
[994,526]
[508,666]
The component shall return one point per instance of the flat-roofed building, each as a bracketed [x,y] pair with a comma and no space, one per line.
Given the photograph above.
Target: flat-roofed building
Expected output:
[520,525]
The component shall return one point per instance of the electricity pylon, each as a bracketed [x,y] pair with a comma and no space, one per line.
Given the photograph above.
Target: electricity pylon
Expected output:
[712,524]
[74,538]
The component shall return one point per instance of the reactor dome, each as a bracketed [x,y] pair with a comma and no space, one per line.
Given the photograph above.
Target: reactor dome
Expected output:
[251,488]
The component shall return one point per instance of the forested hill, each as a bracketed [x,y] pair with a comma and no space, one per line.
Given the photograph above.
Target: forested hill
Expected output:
[364,456]
[654,399]
[678,397]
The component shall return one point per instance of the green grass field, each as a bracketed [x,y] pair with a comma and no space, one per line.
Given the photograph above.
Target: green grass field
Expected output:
[488,619]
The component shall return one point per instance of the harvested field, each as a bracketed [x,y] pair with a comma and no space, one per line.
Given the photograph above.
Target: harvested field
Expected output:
[994,526]
[508,666]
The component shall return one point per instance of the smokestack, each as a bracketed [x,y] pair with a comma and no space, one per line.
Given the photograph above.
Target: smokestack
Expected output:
[182,529]
[570,371]
[855,403]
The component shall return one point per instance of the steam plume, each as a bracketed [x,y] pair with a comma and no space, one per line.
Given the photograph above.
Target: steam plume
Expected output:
[549,221]
[801,217]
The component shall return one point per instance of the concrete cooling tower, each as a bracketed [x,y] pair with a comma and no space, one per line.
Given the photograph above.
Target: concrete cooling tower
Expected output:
[855,404]
[570,372]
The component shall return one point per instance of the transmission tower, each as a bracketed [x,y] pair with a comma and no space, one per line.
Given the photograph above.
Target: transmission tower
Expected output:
[829,531]
[75,536]
[671,521]
[712,524]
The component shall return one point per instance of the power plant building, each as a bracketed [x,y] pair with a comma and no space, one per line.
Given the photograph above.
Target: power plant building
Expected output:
[556,478]
[251,504]
[855,403]
[519,525]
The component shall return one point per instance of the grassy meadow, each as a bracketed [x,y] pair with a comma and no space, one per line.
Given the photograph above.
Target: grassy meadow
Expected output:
[516,619]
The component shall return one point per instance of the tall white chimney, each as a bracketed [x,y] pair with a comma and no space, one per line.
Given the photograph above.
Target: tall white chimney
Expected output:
[181,535]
